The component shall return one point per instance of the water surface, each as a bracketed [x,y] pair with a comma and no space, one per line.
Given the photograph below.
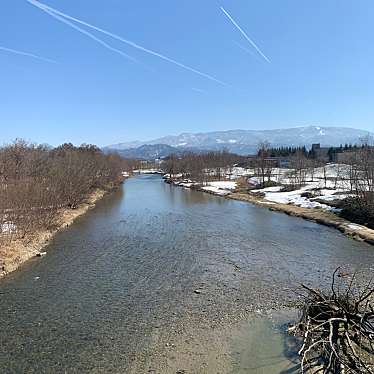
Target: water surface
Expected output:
[130,266]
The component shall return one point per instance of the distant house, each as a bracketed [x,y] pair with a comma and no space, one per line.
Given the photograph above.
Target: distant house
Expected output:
[320,153]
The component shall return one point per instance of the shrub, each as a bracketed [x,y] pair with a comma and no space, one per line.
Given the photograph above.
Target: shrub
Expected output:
[307,194]
[354,210]
[265,185]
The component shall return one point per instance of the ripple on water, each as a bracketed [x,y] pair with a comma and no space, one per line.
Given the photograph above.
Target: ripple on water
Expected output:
[132,263]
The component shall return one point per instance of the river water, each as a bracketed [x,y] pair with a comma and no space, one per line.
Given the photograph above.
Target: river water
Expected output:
[120,283]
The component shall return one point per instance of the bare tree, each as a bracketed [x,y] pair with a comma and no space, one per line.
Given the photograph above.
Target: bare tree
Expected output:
[35,182]
[299,165]
[263,164]
[201,167]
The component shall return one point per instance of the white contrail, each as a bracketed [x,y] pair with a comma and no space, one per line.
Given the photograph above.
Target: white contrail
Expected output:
[245,35]
[93,37]
[48,9]
[21,53]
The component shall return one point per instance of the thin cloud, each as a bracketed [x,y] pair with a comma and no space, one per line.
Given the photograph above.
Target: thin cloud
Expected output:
[128,42]
[198,90]
[245,35]
[21,53]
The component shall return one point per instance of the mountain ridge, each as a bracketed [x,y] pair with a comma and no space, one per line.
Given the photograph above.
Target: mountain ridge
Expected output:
[246,141]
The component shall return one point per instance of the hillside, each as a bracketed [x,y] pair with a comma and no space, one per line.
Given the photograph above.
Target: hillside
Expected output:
[239,141]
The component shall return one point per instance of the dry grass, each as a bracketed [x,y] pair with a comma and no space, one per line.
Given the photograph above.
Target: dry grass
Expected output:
[15,252]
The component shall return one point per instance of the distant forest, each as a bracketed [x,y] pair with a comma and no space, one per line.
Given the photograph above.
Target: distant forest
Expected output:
[291,151]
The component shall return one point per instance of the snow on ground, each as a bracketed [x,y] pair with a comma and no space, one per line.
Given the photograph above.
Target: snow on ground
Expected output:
[225,185]
[222,188]
[216,190]
[8,227]
[330,176]
[329,183]
[237,172]
[294,197]
[185,183]
[334,195]
[353,226]
[275,195]
[269,189]
[147,171]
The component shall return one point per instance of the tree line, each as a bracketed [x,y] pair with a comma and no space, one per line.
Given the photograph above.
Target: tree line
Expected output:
[292,151]
[37,181]
[201,167]
[284,151]
[300,163]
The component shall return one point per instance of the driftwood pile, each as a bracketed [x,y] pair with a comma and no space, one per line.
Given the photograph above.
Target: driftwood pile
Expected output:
[337,329]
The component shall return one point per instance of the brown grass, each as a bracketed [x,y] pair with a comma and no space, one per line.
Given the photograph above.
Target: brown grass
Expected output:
[14,253]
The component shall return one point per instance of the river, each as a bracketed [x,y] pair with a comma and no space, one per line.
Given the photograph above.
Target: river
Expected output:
[160,279]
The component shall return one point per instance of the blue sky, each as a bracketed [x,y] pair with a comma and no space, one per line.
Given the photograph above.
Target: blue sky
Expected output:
[321,56]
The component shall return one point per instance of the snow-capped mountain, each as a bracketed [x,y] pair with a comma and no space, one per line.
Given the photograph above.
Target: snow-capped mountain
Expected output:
[148,152]
[246,141]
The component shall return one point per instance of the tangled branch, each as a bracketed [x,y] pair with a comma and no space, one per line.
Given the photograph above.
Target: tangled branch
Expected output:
[337,330]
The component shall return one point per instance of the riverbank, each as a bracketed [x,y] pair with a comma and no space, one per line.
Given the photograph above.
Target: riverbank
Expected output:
[166,280]
[324,217]
[18,251]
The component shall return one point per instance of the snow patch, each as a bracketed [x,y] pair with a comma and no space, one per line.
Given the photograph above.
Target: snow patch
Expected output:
[353,226]
[269,189]
[221,188]
[147,171]
[216,190]
[225,185]
[8,227]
